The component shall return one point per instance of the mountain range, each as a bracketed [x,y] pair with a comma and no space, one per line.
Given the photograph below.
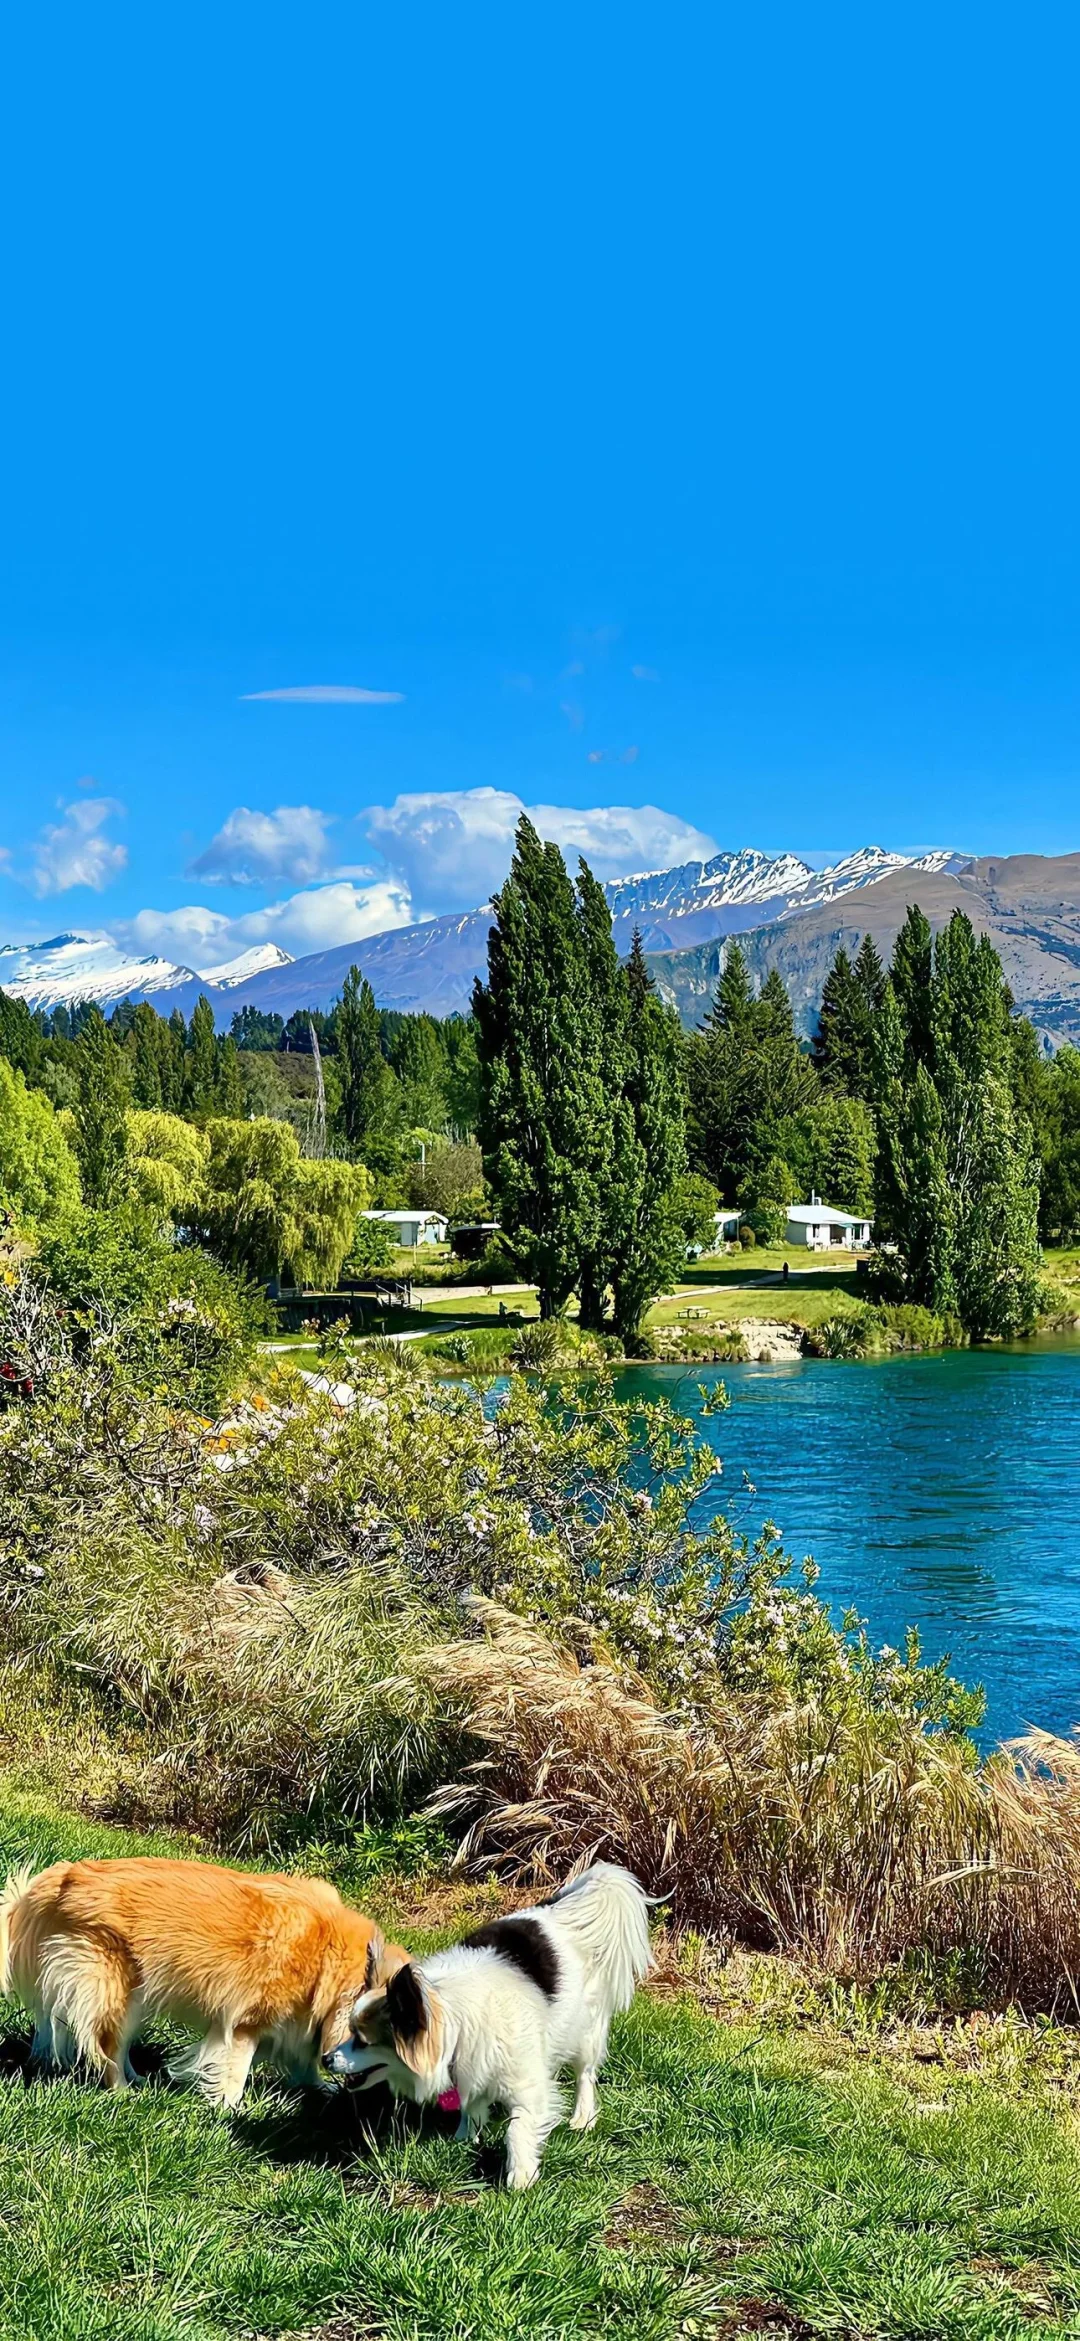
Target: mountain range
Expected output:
[786,914]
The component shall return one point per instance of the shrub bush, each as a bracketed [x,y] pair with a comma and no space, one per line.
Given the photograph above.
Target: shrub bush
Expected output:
[180,1324]
[316,1615]
[848,1333]
[540,1344]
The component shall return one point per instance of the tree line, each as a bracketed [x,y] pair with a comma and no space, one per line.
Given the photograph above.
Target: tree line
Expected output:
[572,1107]
[923,1101]
[395,1091]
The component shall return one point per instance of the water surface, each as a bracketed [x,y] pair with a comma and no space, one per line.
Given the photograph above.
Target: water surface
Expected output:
[937,1491]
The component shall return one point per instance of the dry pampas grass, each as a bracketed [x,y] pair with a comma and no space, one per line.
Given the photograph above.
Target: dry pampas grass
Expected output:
[857,1842]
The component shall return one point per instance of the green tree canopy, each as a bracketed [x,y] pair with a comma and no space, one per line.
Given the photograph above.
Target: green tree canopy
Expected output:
[957,1176]
[747,1074]
[842,1051]
[269,1212]
[652,1240]
[370,1096]
[39,1177]
[100,1114]
[166,1166]
[544,1111]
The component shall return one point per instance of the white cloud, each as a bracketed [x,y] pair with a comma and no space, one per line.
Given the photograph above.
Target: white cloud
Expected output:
[452,848]
[75,852]
[645,674]
[332,695]
[255,849]
[314,920]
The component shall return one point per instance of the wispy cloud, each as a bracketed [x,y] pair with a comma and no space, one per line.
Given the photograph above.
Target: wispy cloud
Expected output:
[75,852]
[257,849]
[574,714]
[332,695]
[614,755]
[645,674]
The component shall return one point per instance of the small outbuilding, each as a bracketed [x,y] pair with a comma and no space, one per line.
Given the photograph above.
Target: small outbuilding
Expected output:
[822,1228]
[412,1228]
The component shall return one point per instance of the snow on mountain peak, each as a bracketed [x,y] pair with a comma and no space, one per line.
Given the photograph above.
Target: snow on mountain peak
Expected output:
[248,963]
[74,967]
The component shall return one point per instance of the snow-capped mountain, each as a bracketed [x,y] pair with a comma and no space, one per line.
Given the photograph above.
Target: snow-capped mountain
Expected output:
[432,965]
[86,967]
[748,876]
[735,891]
[254,962]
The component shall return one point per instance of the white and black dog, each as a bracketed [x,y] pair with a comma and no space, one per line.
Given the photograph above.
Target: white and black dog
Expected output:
[493,2020]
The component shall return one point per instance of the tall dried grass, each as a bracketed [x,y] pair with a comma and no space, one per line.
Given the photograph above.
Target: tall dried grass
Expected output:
[856,1843]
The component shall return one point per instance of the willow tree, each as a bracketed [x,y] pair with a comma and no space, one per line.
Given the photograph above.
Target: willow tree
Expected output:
[268,1211]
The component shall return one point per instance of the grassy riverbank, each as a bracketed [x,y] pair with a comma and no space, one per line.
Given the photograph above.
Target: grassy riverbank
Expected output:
[768,2159]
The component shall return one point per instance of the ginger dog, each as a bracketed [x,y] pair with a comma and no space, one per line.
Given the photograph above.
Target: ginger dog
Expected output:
[95,1947]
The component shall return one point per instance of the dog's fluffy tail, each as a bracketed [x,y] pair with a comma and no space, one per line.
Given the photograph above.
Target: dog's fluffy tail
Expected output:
[16,1887]
[606,1910]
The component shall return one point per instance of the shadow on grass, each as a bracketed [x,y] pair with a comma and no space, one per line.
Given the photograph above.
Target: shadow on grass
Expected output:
[148,2057]
[337,2132]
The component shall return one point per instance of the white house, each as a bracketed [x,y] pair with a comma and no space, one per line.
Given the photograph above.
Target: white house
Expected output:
[822,1228]
[727,1226]
[410,1228]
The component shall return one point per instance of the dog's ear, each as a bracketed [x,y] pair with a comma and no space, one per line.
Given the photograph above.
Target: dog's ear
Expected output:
[415,2020]
[383,1961]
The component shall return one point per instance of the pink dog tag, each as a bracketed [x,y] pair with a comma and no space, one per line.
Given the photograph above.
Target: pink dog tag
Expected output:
[449,2102]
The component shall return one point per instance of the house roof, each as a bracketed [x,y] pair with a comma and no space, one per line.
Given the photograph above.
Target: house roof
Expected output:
[418,1213]
[815,1215]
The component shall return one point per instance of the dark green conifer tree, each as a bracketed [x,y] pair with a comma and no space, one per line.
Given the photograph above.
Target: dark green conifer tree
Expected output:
[22,1041]
[101,1111]
[542,1097]
[842,1047]
[174,1065]
[957,1175]
[201,1066]
[653,1248]
[616,1167]
[370,1098]
[148,1044]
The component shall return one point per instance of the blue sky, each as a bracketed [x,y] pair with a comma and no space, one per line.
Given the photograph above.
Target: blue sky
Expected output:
[673,409]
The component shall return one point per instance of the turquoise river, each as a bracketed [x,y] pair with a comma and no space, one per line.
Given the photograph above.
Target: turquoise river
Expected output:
[940,1491]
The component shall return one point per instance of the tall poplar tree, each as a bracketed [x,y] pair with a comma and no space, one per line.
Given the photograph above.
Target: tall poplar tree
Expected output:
[201,1069]
[653,1247]
[368,1087]
[957,1177]
[148,1034]
[616,1167]
[101,1111]
[542,1097]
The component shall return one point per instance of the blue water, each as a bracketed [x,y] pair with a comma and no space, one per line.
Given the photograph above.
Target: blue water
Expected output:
[941,1492]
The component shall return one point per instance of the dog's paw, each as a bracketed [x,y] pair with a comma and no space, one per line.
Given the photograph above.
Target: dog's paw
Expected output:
[584,2121]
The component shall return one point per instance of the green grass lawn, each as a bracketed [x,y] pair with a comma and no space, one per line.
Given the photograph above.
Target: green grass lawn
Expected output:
[750,1286]
[482,1308]
[743,2179]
